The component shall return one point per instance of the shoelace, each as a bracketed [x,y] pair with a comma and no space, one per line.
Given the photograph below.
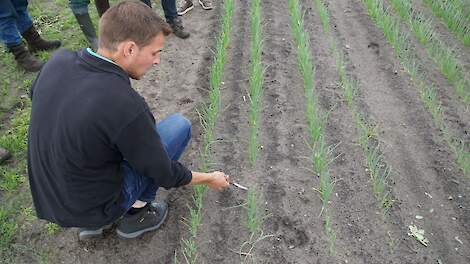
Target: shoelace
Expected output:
[152,210]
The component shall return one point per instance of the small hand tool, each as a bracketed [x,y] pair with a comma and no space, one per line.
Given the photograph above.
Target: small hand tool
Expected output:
[239,185]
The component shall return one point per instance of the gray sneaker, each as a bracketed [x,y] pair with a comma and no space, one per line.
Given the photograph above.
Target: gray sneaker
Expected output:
[185,6]
[87,233]
[206,4]
[151,218]
[178,29]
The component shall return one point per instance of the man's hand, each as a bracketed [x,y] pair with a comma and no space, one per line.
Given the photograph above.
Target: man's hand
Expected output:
[216,180]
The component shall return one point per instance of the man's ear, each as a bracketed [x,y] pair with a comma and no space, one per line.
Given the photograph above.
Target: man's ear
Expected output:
[129,48]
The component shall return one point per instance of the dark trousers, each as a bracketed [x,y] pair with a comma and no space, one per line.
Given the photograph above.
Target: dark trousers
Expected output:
[80,7]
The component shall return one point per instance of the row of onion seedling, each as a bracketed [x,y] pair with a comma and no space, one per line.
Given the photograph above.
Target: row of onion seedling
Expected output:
[453,15]
[208,117]
[399,40]
[441,54]
[316,121]
[379,171]
[255,216]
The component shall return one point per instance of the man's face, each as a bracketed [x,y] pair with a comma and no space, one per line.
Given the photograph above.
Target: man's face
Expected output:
[144,58]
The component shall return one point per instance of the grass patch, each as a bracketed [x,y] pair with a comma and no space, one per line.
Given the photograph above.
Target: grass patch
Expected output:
[8,228]
[15,139]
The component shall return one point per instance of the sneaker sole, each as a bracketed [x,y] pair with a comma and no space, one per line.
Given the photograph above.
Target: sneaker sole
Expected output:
[140,232]
[185,11]
[205,7]
[90,234]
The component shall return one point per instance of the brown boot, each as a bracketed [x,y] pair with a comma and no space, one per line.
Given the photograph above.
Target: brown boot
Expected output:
[24,58]
[101,6]
[4,155]
[36,43]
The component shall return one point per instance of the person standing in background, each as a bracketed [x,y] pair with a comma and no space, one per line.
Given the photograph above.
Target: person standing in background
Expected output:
[15,23]
[80,10]
[187,5]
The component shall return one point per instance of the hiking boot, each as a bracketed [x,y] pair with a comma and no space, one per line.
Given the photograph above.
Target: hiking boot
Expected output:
[25,59]
[84,21]
[151,217]
[36,43]
[4,155]
[88,233]
[178,29]
[206,4]
[101,6]
[185,6]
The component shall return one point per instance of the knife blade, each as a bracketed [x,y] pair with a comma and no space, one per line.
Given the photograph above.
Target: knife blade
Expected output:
[239,186]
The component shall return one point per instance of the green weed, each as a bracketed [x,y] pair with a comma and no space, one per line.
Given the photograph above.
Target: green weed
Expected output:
[52,228]
[15,139]
[8,227]
[11,178]
[28,214]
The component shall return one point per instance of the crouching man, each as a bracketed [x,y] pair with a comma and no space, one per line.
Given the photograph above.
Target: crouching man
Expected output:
[95,154]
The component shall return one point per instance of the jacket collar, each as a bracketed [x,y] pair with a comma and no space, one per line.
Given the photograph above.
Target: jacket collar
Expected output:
[102,64]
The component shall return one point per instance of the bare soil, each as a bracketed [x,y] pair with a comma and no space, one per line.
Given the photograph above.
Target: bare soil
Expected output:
[425,179]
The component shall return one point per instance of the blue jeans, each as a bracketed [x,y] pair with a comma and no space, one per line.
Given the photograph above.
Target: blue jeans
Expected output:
[175,133]
[14,20]
[80,7]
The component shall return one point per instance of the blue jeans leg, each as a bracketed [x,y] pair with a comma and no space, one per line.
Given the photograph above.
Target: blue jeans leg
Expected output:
[175,133]
[169,8]
[14,19]
[23,20]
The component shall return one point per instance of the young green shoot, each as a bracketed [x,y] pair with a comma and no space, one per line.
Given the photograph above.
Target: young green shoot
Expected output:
[254,220]
[453,16]
[256,78]
[316,121]
[378,170]
[208,117]
[440,53]
[409,60]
